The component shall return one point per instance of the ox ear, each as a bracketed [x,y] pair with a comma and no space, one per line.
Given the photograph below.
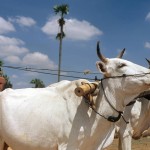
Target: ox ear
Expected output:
[101,67]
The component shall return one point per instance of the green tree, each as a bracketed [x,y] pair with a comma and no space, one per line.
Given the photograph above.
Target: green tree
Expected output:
[8,83]
[1,71]
[62,10]
[37,83]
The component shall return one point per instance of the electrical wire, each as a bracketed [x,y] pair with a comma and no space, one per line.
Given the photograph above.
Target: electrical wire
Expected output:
[53,70]
[49,73]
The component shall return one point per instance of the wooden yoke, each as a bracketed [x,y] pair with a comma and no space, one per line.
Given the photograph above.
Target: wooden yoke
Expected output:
[85,88]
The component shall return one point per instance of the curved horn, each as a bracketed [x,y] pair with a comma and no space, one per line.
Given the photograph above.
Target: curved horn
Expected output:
[101,57]
[148,61]
[121,53]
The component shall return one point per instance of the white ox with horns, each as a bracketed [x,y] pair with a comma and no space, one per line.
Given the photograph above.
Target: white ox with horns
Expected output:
[138,116]
[144,122]
[54,118]
[144,119]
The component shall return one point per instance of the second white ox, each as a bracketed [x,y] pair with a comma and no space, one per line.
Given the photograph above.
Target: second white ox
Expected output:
[55,118]
[138,117]
[144,122]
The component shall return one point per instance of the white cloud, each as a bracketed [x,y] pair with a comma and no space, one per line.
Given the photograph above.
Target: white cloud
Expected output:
[5,26]
[23,21]
[147,45]
[13,51]
[147,17]
[39,60]
[13,59]
[51,27]
[11,46]
[4,40]
[74,29]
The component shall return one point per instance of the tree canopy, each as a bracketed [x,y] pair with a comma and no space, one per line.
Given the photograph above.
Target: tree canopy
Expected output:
[37,83]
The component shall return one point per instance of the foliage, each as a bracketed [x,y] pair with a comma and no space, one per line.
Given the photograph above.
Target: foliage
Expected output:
[8,83]
[63,9]
[1,71]
[37,83]
[60,35]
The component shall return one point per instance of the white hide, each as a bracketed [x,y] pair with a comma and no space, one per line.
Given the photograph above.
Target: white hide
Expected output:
[138,117]
[144,119]
[54,118]
[131,114]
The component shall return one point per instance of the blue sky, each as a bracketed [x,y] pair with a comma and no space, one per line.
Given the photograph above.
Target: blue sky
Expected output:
[28,29]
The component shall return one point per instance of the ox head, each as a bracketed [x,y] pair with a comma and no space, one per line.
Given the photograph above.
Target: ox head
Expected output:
[109,67]
[117,66]
[112,67]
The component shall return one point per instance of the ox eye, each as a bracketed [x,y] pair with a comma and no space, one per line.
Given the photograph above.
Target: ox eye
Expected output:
[122,65]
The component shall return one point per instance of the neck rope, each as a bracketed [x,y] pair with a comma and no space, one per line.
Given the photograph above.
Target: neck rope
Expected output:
[120,113]
[110,118]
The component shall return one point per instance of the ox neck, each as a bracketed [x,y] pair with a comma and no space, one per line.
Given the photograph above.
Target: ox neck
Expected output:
[112,118]
[106,98]
[106,95]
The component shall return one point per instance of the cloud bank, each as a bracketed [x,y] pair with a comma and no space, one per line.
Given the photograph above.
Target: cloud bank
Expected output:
[23,21]
[11,46]
[13,51]
[6,26]
[74,29]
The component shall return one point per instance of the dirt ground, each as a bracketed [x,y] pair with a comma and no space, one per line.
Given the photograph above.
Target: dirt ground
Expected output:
[142,144]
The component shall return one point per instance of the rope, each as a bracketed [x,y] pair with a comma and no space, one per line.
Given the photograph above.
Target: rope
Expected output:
[94,109]
[107,98]
[120,113]
[125,75]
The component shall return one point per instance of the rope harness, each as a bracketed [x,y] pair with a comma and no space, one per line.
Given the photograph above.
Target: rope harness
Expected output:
[120,113]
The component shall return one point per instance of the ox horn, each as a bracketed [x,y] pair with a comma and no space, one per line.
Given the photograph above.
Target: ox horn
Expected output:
[101,57]
[121,53]
[148,62]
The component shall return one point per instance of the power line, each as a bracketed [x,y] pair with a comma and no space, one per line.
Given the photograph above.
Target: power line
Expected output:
[53,70]
[48,73]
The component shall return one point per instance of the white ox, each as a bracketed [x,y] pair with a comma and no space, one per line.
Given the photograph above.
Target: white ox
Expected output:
[138,117]
[143,122]
[54,118]
[143,126]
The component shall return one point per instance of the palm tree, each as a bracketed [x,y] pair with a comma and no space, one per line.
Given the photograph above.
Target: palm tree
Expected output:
[63,10]
[38,83]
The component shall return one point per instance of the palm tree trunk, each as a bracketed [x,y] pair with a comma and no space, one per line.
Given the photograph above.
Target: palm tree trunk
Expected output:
[60,52]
